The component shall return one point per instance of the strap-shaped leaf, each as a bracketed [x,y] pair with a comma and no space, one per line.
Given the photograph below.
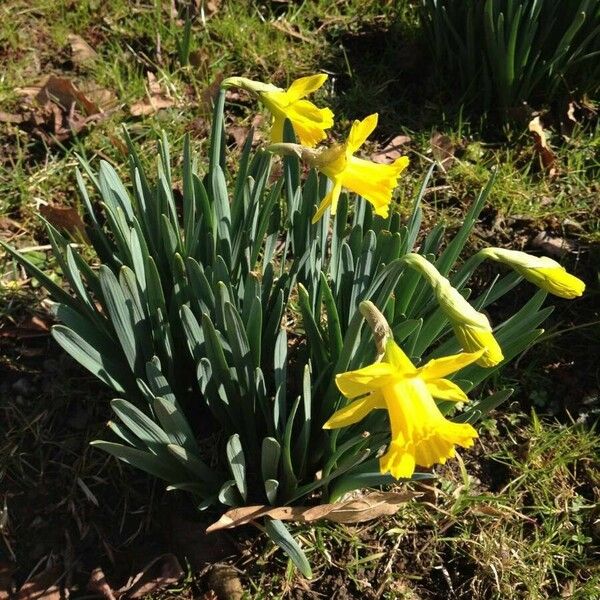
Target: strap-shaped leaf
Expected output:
[193,463]
[237,464]
[269,458]
[142,426]
[278,532]
[99,364]
[174,423]
[271,487]
[155,465]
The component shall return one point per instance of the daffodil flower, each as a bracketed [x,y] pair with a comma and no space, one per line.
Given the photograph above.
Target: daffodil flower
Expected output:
[309,121]
[542,271]
[374,182]
[471,327]
[421,435]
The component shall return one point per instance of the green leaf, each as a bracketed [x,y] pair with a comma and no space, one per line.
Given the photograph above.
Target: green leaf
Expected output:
[141,425]
[278,532]
[237,464]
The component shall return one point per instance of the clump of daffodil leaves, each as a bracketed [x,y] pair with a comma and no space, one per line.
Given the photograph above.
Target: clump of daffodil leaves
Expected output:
[277,339]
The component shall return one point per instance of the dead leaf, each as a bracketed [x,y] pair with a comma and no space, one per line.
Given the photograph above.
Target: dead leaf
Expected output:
[209,94]
[43,586]
[547,156]
[553,246]
[56,109]
[6,579]
[159,573]
[64,217]
[11,118]
[63,92]
[238,134]
[156,100]
[392,150]
[442,149]
[31,327]
[81,51]
[97,584]
[358,510]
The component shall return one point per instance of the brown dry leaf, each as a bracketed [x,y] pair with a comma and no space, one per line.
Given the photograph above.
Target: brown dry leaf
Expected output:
[159,573]
[12,118]
[366,508]
[97,584]
[81,51]
[63,92]
[43,586]
[392,150]
[555,247]
[64,217]
[32,327]
[238,134]
[156,100]
[56,109]
[442,149]
[547,157]
[209,94]
[6,579]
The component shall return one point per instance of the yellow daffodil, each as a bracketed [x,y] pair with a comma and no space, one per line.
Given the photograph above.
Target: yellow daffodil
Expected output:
[309,121]
[374,182]
[471,327]
[541,271]
[421,435]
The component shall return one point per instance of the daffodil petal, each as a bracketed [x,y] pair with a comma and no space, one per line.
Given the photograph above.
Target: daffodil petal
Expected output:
[443,389]
[360,131]
[474,339]
[331,199]
[309,122]
[440,367]
[305,85]
[355,411]
[396,357]
[365,380]
[398,461]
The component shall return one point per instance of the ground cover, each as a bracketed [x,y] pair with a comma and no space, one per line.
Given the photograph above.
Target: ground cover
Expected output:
[488,530]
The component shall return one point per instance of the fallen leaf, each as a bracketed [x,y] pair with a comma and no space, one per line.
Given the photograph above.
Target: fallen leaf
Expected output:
[442,149]
[392,150]
[209,94]
[358,510]
[97,584]
[547,156]
[12,118]
[31,327]
[553,246]
[64,93]
[81,51]
[159,573]
[238,134]
[6,579]
[57,109]
[156,100]
[64,217]
[43,586]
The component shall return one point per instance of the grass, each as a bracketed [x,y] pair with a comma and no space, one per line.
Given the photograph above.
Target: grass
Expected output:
[520,520]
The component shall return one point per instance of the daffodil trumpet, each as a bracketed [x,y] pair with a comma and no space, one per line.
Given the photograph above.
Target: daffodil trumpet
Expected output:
[420,434]
[471,327]
[542,271]
[309,121]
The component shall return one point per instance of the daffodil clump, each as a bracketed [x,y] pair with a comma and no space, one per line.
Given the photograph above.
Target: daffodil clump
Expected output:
[276,339]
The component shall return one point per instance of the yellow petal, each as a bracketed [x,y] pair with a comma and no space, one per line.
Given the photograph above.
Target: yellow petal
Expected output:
[355,411]
[440,367]
[396,357]
[305,85]
[398,461]
[309,122]
[331,199]
[373,181]
[365,380]
[474,339]
[557,281]
[443,389]
[360,131]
